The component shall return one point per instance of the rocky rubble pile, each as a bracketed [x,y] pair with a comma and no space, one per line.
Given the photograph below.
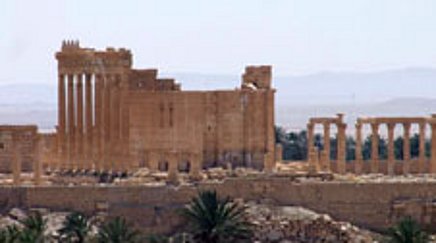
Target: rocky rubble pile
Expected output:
[296,224]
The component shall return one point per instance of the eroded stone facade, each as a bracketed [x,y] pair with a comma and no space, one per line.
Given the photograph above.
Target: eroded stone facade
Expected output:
[18,150]
[115,118]
[17,143]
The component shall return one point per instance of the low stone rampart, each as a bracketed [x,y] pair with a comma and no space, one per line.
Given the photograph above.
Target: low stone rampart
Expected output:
[154,209]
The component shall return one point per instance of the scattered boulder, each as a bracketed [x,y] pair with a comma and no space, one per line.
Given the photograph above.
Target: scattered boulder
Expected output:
[297,224]
[17,214]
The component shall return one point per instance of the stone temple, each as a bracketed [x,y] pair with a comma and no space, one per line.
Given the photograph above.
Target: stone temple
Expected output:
[130,125]
[112,117]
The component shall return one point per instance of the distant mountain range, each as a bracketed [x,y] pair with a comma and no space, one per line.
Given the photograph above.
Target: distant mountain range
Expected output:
[404,92]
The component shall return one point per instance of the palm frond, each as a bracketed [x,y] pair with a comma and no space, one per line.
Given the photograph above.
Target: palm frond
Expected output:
[212,219]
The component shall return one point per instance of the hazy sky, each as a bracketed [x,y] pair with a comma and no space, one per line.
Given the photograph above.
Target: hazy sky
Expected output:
[296,36]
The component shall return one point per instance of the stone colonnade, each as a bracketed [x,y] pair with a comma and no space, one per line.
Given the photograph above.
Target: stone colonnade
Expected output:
[422,165]
[90,130]
[325,155]
[88,104]
[391,124]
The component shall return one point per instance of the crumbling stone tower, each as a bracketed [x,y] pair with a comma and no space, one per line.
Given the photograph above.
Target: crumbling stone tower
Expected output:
[258,77]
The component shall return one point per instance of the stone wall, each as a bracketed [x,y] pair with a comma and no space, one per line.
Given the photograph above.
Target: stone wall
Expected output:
[19,143]
[223,126]
[154,209]
[137,119]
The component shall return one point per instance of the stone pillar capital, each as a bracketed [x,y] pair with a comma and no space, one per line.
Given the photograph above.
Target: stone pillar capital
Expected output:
[422,125]
[340,117]
[310,126]
[391,125]
[342,125]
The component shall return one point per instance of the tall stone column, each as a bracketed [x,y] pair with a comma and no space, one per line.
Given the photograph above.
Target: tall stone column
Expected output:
[326,151]
[433,145]
[79,130]
[374,148]
[118,161]
[61,144]
[126,155]
[313,165]
[406,148]
[358,166]
[71,123]
[88,121]
[98,122]
[341,148]
[107,160]
[391,155]
[422,158]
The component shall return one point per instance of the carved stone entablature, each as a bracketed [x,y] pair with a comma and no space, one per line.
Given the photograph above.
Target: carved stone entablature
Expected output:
[74,59]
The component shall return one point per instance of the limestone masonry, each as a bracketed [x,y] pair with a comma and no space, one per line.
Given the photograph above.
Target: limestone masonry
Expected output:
[114,118]
[130,143]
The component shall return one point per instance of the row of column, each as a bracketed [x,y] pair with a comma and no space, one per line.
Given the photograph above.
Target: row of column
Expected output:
[325,155]
[89,122]
[323,163]
[375,163]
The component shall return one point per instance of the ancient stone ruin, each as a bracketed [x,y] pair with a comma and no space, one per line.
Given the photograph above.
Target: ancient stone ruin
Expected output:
[320,160]
[168,143]
[114,118]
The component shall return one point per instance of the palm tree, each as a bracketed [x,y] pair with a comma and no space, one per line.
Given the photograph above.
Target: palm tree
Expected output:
[214,220]
[34,228]
[407,231]
[10,234]
[75,228]
[4,237]
[117,231]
